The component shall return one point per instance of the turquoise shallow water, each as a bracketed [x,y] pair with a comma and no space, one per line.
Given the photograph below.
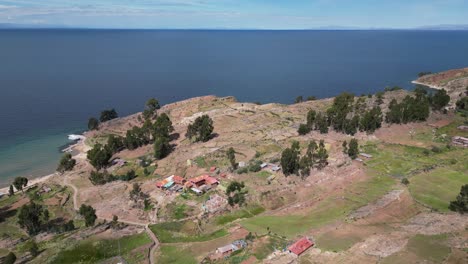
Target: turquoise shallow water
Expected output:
[32,157]
[52,81]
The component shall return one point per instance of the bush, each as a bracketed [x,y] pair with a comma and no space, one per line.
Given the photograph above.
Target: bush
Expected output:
[303,129]
[436,149]
[405,181]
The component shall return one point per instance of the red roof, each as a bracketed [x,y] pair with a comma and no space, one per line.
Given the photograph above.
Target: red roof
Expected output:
[178,179]
[208,179]
[300,246]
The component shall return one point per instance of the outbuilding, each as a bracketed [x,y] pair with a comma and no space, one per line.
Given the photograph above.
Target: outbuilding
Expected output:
[300,246]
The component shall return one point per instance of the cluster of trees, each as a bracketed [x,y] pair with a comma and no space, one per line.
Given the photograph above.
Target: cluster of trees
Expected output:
[66,163]
[421,74]
[136,194]
[301,99]
[157,133]
[348,116]
[236,193]
[201,129]
[411,109]
[351,149]
[101,178]
[343,116]
[33,217]
[461,203]
[293,163]
[106,115]
[88,213]
[253,166]
[19,183]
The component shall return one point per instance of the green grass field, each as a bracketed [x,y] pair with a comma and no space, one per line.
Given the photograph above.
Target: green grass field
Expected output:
[242,213]
[175,232]
[422,249]
[175,255]
[438,187]
[331,209]
[330,242]
[92,251]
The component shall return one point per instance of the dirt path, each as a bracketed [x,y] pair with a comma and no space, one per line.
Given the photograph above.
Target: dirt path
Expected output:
[153,237]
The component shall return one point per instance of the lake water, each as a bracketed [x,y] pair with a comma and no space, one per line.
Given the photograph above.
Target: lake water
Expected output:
[52,81]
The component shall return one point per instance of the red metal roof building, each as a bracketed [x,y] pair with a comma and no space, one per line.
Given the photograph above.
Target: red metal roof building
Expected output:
[201,180]
[300,246]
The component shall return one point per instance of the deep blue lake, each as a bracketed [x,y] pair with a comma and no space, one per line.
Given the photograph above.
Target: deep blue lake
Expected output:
[52,81]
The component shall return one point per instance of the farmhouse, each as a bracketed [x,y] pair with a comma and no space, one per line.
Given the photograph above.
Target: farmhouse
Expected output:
[201,180]
[225,251]
[300,246]
[170,181]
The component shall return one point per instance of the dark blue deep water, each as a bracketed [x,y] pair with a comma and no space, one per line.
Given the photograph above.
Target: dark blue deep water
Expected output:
[52,81]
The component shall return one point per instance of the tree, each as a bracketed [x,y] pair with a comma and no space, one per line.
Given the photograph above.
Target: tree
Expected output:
[11,192]
[115,221]
[311,116]
[405,181]
[32,216]
[290,159]
[136,193]
[163,126]
[93,123]
[201,129]
[322,155]
[66,163]
[462,104]
[20,183]
[107,115]
[10,258]
[345,147]
[114,143]
[32,247]
[440,99]
[299,99]
[303,129]
[321,123]
[161,147]
[461,203]
[231,155]
[311,98]
[153,104]
[101,178]
[69,226]
[89,214]
[371,120]
[99,156]
[353,150]
[236,194]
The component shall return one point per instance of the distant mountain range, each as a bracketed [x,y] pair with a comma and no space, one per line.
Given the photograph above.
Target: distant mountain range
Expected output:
[431,27]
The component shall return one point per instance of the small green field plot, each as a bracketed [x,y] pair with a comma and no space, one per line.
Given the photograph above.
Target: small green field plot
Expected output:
[422,249]
[331,209]
[438,187]
[247,212]
[263,174]
[175,255]
[268,245]
[402,161]
[184,231]
[94,250]
[331,242]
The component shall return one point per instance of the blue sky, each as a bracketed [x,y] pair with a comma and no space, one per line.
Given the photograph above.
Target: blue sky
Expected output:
[236,14]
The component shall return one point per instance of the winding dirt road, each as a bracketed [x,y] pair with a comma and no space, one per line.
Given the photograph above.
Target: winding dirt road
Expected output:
[145,225]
